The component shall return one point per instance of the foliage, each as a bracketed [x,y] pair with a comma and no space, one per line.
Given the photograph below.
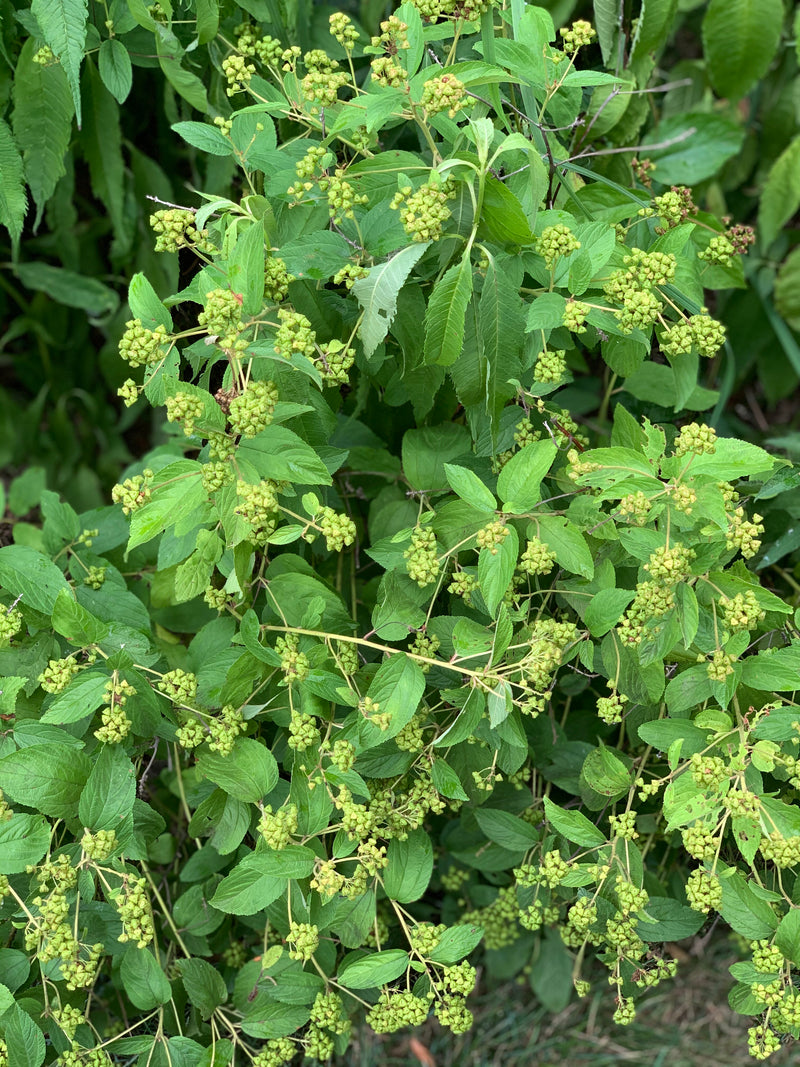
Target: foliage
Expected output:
[381,660]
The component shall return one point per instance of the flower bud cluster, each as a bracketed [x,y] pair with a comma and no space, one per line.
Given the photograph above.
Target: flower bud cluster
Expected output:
[652,600]
[334,362]
[251,411]
[556,241]
[303,939]
[426,645]
[116,724]
[422,557]
[671,565]
[224,729]
[551,367]
[303,732]
[276,279]
[58,674]
[179,686]
[278,828]
[387,72]
[141,347]
[699,333]
[452,1012]
[215,476]
[782,851]
[635,507]
[695,439]
[175,228]
[578,35]
[575,315]
[69,1018]
[95,577]
[100,845]
[445,93]
[6,812]
[672,207]
[222,317]
[610,709]
[463,584]
[742,533]
[134,492]
[11,623]
[44,56]
[294,664]
[338,530]
[742,611]
[133,907]
[393,36]
[425,211]
[343,30]
[719,251]
[238,73]
[249,42]
[537,558]
[492,536]
[624,825]
[321,87]
[341,196]
[81,973]
[700,842]
[762,1041]
[186,408]
[294,335]
[395,1011]
[257,505]
[704,891]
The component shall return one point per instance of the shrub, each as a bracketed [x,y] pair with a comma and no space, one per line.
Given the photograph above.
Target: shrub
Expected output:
[385,660]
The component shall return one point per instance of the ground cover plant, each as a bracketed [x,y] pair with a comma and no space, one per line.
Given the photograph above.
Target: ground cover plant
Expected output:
[407,648]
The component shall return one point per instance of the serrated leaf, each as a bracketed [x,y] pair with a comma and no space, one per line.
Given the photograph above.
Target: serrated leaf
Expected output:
[63,26]
[13,198]
[69,288]
[740,39]
[781,196]
[205,137]
[207,20]
[42,123]
[116,71]
[376,969]
[447,308]
[184,83]
[466,484]
[606,21]
[377,294]
[573,825]
[500,321]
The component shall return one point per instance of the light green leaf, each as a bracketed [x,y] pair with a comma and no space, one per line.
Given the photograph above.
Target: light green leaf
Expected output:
[82,697]
[566,540]
[279,454]
[573,825]
[520,479]
[42,123]
[248,773]
[606,22]
[781,196]
[373,970]
[260,878]
[207,20]
[13,198]
[184,83]
[24,1040]
[67,287]
[740,39]
[47,777]
[63,24]
[114,64]
[110,791]
[398,686]
[205,137]
[500,320]
[447,308]
[377,294]
[496,569]
[204,985]
[31,576]
[455,943]
[653,26]
[143,979]
[24,839]
[605,609]
[773,669]
[466,484]
[145,305]
[507,830]
[409,867]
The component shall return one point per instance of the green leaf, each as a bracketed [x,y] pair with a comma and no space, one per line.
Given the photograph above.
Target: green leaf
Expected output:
[605,609]
[507,830]
[455,943]
[500,321]
[143,979]
[24,1040]
[24,839]
[398,686]
[63,25]
[496,569]
[102,145]
[520,479]
[373,970]
[465,722]
[446,781]
[110,791]
[740,39]
[248,773]
[377,294]
[246,267]
[444,318]
[13,198]
[604,778]
[73,621]
[502,214]
[666,919]
[47,777]
[426,450]
[184,83]
[114,64]
[31,576]
[781,196]
[67,287]
[278,453]
[207,20]
[42,123]
[606,21]
[654,26]
[6,999]
[409,867]
[207,138]
[573,825]
[568,543]
[787,936]
[260,878]
[82,697]
[745,912]
[773,669]
[700,144]
[145,305]
[466,484]
[204,985]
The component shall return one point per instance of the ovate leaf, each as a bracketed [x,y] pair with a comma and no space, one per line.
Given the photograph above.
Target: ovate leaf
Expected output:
[46,777]
[740,39]
[781,196]
[115,68]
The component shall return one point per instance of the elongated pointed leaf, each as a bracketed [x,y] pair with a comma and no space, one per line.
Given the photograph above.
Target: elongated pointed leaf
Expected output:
[13,199]
[63,24]
[447,309]
[377,294]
